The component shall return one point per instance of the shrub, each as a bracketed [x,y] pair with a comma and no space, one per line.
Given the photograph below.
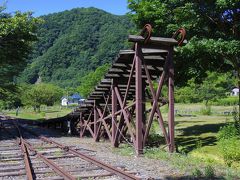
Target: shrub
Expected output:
[186,94]
[227,132]
[228,101]
[229,140]
[154,140]
[43,114]
[198,143]
[206,110]
[209,172]
[236,120]
[197,173]
[230,150]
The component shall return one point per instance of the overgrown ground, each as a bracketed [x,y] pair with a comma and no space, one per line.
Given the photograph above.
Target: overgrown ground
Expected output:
[196,139]
[45,113]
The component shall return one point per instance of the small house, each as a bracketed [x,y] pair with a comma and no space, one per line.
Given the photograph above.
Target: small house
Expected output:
[235,92]
[75,98]
[64,101]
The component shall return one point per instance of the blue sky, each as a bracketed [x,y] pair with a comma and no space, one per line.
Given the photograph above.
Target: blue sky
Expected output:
[42,7]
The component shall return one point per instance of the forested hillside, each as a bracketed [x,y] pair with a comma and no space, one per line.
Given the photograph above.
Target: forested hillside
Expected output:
[73,43]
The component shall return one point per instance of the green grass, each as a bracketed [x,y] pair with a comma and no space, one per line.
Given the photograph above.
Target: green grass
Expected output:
[196,141]
[46,113]
[204,128]
[200,160]
[190,130]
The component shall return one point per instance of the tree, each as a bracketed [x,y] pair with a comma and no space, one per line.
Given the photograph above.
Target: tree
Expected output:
[41,94]
[214,86]
[213,32]
[89,81]
[11,100]
[187,94]
[17,32]
[74,43]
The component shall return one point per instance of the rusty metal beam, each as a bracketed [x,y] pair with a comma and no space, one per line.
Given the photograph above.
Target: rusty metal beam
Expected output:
[130,81]
[171,100]
[51,164]
[139,96]
[27,161]
[87,158]
[114,109]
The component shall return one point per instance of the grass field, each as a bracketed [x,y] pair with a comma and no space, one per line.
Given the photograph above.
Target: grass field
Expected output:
[46,113]
[192,128]
[199,131]
[196,140]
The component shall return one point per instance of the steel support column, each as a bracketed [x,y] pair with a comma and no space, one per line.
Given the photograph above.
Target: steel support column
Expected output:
[150,60]
[95,121]
[171,100]
[81,125]
[139,101]
[114,110]
[144,108]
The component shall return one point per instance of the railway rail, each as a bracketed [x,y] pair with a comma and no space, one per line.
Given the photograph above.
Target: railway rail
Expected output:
[25,154]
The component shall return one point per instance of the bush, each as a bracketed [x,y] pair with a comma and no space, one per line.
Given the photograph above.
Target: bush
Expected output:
[154,140]
[230,150]
[229,141]
[206,110]
[209,172]
[236,119]
[43,114]
[197,173]
[227,132]
[199,144]
[186,94]
[228,101]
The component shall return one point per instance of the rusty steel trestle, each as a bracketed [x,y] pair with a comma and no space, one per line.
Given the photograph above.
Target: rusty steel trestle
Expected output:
[116,109]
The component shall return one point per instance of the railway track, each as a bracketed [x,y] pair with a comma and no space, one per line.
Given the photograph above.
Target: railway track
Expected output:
[25,154]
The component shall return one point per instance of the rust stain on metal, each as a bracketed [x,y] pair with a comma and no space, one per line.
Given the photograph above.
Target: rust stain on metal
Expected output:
[182,32]
[128,82]
[146,32]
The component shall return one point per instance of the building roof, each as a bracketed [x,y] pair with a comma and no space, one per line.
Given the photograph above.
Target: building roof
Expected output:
[76,96]
[235,89]
[64,97]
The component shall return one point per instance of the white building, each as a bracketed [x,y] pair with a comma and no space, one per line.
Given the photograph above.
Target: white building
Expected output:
[235,92]
[75,99]
[64,101]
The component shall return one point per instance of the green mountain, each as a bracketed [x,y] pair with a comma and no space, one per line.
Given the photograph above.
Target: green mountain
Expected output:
[73,43]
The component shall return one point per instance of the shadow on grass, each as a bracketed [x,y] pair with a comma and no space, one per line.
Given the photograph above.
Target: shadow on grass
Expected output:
[186,121]
[191,143]
[190,137]
[197,130]
[176,123]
